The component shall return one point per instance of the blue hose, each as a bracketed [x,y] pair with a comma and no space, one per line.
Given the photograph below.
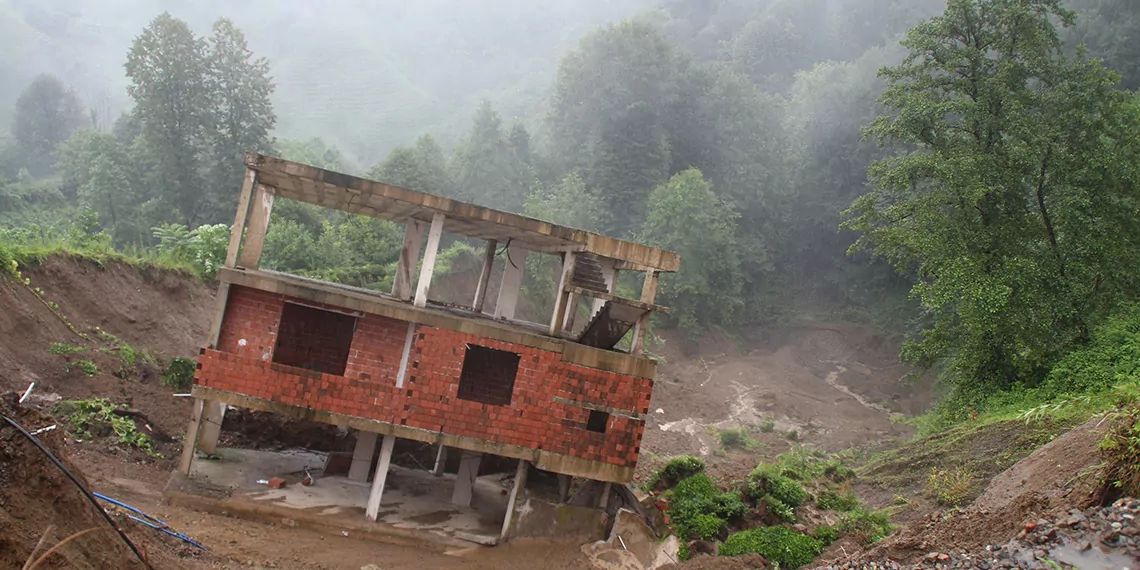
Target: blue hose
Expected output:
[150,521]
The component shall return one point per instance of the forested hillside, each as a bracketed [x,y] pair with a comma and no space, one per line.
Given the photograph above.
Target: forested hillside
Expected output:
[962,171]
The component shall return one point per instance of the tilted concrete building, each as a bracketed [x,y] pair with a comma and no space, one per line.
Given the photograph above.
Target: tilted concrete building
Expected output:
[555,395]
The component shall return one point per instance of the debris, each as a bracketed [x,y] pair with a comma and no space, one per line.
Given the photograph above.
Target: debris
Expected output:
[262,481]
[26,392]
[344,532]
[308,480]
[183,395]
[150,521]
[275,483]
[42,430]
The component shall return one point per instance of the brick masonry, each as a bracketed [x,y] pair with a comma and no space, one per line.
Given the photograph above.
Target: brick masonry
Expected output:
[429,399]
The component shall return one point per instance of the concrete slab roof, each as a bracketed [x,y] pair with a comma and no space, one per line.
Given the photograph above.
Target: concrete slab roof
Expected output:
[370,198]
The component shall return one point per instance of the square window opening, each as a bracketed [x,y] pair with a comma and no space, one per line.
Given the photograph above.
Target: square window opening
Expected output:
[598,421]
[488,375]
[314,339]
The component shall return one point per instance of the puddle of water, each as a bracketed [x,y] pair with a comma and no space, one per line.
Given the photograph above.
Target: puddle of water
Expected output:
[1091,559]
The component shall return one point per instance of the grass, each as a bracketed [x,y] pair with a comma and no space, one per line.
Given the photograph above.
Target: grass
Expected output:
[736,438]
[949,487]
[38,250]
[781,546]
[674,470]
[63,348]
[90,418]
[87,366]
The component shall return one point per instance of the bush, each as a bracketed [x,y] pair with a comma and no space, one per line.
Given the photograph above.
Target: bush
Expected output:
[768,426]
[949,487]
[696,501]
[826,534]
[87,366]
[1121,451]
[782,546]
[765,480]
[89,418]
[869,526]
[65,349]
[832,501]
[179,374]
[778,509]
[738,438]
[675,470]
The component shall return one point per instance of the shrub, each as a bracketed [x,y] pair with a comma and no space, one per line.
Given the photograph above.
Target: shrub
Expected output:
[87,366]
[782,546]
[832,501]
[949,487]
[696,501]
[826,534]
[737,437]
[65,349]
[675,470]
[179,374]
[765,480]
[869,526]
[792,435]
[89,418]
[768,427]
[1121,451]
[777,508]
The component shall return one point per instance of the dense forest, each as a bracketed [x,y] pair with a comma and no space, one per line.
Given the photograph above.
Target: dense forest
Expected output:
[963,171]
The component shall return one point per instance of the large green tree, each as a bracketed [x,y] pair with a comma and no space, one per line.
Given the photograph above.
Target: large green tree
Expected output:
[167,68]
[47,112]
[1013,199]
[420,167]
[99,169]
[241,113]
[486,168]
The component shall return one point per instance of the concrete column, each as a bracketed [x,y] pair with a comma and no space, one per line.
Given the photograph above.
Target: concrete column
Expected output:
[465,478]
[564,482]
[192,432]
[238,229]
[440,461]
[250,256]
[512,501]
[513,273]
[409,256]
[561,297]
[362,456]
[648,295]
[428,266]
[211,427]
[485,276]
[604,498]
[380,477]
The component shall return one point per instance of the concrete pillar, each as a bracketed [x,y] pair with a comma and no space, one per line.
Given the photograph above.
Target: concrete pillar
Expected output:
[485,276]
[604,498]
[512,500]
[192,432]
[409,256]
[238,229]
[561,297]
[215,412]
[250,256]
[465,478]
[405,357]
[648,295]
[362,456]
[564,482]
[513,272]
[380,477]
[440,461]
[428,266]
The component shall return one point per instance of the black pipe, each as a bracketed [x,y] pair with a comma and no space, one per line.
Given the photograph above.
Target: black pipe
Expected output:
[91,499]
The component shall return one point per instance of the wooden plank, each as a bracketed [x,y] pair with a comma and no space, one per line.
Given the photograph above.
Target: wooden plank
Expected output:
[238,228]
[427,268]
[250,257]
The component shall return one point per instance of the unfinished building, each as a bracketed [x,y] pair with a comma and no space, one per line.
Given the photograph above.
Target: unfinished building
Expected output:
[560,397]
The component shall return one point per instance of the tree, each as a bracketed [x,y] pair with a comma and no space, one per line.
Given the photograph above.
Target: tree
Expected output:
[1111,30]
[486,169]
[241,115]
[1013,199]
[167,69]
[568,203]
[421,168]
[629,158]
[686,216]
[769,52]
[313,152]
[47,112]
[99,170]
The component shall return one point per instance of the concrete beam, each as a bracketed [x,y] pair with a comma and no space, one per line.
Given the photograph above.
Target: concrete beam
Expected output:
[409,257]
[516,489]
[211,427]
[362,456]
[485,276]
[381,476]
[427,268]
[465,478]
[192,432]
[250,256]
[513,272]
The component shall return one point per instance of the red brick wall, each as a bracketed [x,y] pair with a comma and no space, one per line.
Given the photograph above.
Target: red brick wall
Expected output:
[429,399]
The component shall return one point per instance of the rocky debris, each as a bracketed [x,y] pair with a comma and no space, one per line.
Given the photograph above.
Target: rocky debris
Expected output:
[1097,538]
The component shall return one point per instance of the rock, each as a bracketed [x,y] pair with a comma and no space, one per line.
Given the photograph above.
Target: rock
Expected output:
[800,528]
[1074,521]
[1117,526]
[1086,545]
[932,556]
[943,557]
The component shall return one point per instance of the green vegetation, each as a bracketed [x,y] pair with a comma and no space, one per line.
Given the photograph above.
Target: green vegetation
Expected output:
[179,374]
[767,481]
[831,501]
[1121,451]
[62,348]
[949,487]
[98,417]
[825,534]
[699,509]
[736,438]
[86,365]
[674,470]
[781,546]
[868,526]
[768,427]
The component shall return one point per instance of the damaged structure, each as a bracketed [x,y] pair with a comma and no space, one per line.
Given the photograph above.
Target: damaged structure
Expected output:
[560,397]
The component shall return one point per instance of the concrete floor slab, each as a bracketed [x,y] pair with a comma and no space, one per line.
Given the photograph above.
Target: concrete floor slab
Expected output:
[415,503]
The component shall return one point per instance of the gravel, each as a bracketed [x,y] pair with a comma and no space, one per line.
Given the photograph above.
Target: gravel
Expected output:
[1096,539]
